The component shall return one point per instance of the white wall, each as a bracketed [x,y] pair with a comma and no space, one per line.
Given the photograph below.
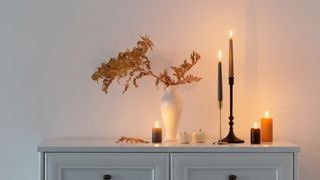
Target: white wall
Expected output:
[49,49]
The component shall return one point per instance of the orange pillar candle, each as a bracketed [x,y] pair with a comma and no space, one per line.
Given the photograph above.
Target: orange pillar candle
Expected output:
[266,128]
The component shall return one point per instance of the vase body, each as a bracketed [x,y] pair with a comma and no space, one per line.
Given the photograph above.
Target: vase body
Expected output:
[171,107]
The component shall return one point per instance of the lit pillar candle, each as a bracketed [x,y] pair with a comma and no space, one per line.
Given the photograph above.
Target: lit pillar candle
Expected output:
[231,73]
[220,91]
[266,128]
[255,134]
[157,133]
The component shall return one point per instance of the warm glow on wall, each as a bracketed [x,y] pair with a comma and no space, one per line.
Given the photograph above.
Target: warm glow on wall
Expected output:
[230,33]
[266,114]
[220,55]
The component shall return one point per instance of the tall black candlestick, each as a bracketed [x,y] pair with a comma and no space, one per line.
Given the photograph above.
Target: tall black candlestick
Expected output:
[231,137]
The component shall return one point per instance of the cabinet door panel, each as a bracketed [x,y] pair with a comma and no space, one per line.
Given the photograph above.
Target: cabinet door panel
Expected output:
[94,166]
[225,173]
[99,173]
[220,166]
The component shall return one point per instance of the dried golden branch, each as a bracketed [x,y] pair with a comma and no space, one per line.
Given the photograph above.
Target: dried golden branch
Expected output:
[124,139]
[134,64]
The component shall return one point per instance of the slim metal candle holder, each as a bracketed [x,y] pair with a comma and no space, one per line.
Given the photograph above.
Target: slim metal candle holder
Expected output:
[220,142]
[231,137]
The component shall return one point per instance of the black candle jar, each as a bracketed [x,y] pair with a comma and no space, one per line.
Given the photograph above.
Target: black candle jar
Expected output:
[255,136]
[156,135]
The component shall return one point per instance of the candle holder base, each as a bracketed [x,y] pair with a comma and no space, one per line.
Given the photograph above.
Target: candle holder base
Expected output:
[232,138]
[220,143]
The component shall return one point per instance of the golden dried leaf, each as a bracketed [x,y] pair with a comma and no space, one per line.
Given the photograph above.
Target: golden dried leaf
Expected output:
[134,64]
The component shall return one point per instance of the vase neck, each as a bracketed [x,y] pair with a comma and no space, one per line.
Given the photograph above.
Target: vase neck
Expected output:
[171,89]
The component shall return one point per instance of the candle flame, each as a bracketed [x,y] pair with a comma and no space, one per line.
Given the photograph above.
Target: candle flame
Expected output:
[230,33]
[157,124]
[266,113]
[220,55]
[255,125]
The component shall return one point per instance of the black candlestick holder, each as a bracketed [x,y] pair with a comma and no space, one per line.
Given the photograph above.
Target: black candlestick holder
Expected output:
[231,137]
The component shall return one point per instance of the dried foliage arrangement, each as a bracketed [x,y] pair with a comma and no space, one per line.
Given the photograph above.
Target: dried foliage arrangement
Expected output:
[134,64]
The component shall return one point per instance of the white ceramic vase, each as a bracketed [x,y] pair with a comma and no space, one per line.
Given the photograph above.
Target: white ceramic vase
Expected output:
[171,107]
